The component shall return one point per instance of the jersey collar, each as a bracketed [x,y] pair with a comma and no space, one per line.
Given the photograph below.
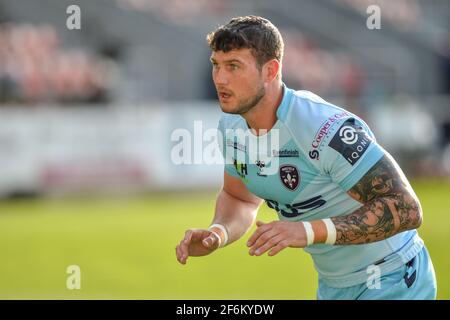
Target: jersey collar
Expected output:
[285,102]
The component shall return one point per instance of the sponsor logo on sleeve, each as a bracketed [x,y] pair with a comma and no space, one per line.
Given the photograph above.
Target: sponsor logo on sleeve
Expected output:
[351,141]
[325,130]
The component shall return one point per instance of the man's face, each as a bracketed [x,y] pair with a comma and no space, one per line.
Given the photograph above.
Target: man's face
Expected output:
[238,80]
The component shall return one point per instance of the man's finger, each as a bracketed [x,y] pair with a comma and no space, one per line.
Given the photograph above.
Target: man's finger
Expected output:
[183,254]
[210,241]
[188,236]
[280,246]
[186,241]
[179,253]
[258,232]
[184,251]
[272,242]
[262,240]
[259,223]
[183,246]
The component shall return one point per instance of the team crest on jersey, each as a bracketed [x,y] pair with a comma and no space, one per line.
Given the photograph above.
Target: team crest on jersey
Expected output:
[290,177]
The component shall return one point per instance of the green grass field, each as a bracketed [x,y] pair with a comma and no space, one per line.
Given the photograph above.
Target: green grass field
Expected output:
[126,250]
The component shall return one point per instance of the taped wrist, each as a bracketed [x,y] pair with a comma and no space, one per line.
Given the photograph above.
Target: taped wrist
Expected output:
[320,231]
[221,232]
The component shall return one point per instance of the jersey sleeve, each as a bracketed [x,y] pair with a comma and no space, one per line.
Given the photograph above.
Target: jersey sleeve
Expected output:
[226,154]
[350,152]
[336,142]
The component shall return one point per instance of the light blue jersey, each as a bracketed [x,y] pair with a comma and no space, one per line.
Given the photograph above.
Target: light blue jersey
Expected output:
[323,152]
[414,280]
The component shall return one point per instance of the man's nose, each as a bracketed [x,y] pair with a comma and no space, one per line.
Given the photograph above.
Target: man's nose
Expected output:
[220,77]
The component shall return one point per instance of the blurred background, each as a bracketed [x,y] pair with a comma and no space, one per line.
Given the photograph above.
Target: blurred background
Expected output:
[86,136]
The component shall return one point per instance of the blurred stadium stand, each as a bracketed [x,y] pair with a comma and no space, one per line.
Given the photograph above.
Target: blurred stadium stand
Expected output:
[134,55]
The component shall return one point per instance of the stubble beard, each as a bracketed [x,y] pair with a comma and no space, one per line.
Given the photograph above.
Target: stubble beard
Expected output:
[245,106]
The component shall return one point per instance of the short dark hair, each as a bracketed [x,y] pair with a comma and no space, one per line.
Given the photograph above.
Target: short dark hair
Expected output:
[249,32]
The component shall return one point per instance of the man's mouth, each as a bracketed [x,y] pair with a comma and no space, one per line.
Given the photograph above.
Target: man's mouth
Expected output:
[224,95]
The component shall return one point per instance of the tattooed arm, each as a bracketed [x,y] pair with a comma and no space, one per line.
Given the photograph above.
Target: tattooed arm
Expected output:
[390,206]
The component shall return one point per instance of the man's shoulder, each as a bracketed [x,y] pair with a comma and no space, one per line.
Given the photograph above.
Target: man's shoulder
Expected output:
[309,117]
[310,108]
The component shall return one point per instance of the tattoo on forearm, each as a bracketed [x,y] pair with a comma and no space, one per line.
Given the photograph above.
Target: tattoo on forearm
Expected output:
[390,206]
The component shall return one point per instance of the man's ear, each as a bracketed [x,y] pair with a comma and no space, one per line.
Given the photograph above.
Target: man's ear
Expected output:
[271,69]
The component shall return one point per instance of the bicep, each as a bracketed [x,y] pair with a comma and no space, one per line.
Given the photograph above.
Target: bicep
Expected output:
[385,178]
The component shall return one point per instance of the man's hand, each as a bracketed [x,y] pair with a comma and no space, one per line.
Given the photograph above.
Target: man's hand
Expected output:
[275,236]
[196,243]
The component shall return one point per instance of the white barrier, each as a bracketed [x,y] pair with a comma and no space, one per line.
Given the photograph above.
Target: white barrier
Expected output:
[129,148]
[100,149]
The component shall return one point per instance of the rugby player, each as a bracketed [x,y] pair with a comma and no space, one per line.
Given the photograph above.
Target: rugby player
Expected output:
[338,193]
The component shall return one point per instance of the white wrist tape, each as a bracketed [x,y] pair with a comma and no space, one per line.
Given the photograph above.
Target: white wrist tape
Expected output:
[309,233]
[225,234]
[331,231]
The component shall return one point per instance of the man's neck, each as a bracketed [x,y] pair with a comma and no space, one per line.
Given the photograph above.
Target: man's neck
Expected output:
[264,115]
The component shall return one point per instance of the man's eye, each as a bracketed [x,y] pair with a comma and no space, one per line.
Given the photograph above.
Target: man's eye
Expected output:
[233,66]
